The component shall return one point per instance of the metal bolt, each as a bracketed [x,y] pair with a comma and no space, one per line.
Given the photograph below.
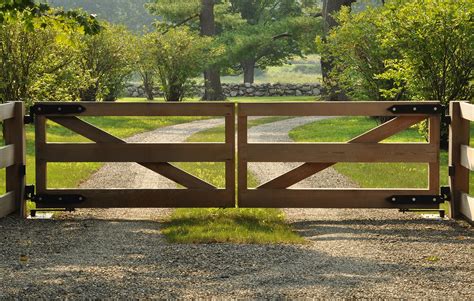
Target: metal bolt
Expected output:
[434,199]
[59,109]
[394,109]
[435,108]
[60,198]
[40,199]
[79,109]
[414,108]
[38,109]
[413,199]
[394,199]
[80,198]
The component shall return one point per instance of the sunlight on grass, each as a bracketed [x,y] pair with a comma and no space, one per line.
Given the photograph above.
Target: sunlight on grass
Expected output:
[235,225]
[245,226]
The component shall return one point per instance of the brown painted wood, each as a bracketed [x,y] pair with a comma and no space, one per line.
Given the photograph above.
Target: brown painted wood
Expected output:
[146,152]
[15,135]
[151,109]
[350,108]
[377,134]
[242,136]
[147,198]
[7,156]
[327,198]
[7,204]
[41,164]
[7,111]
[340,152]
[433,167]
[230,164]
[459,135]
[163,168]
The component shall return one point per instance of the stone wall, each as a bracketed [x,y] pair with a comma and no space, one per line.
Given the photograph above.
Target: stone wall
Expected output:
[243,90]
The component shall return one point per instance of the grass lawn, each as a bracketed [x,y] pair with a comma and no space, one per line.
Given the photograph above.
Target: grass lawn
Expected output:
[372,175]
[226,225]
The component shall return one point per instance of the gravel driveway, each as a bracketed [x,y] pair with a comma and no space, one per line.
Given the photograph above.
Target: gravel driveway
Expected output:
[121,253]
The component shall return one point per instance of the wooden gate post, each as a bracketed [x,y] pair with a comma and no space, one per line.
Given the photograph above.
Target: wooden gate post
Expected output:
[459,132]
[15,175]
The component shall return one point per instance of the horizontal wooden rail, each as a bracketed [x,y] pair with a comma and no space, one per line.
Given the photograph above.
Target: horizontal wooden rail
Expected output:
[149,109]
[467,206]
[145,152]
[325,108]
[467,157]
[7,111]
[328,198]
[7,156]
[8,203]
[340,152]
[146,198]
[467,111]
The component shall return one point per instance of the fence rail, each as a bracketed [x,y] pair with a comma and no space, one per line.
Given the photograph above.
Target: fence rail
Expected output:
[461,160]
[13,158]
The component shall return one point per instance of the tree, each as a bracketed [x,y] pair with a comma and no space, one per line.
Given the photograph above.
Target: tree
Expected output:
[36,64]
[145,65]
[273,32]
[107,59]
[186,12]
[180,54]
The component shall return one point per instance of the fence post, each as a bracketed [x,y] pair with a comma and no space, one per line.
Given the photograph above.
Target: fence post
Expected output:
[15,174]
[459,134]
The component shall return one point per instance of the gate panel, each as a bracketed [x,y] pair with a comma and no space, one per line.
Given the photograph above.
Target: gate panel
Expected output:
[319,156]
[154,156]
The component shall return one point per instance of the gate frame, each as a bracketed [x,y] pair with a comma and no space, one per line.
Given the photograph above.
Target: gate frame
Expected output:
[275,193]
[108,148]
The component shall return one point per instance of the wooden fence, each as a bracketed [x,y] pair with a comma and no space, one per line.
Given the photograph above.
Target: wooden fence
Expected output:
[461,160]
[154,156]
[13,158]
[319,156]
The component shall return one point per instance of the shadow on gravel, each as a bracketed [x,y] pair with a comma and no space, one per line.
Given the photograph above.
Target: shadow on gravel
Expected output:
[130,259]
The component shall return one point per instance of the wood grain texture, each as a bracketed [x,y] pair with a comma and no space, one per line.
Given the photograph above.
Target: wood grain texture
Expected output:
[7,156]
[467,110]
[7,111]
[7,204]
[466,207]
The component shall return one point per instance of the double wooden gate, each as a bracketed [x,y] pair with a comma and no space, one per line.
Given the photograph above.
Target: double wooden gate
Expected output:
[160,157]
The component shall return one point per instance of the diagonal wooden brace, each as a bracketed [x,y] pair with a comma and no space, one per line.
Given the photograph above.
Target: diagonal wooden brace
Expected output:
[375,135]
[163,168]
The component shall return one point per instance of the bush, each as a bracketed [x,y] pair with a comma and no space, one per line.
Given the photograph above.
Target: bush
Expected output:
[180,55]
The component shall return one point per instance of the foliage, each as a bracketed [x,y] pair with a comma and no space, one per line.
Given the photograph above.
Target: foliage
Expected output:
[107,60]
[358,55]
[130,13]
[436,43]
[31,12]
[181,54]
[36,64]
[145,64]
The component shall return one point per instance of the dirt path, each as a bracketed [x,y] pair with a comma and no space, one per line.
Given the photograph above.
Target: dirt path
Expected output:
[121,253]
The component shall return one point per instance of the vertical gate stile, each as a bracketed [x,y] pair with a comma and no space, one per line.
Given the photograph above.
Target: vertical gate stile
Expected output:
[433,167]
[242,164]
[230,163]
[15,174]
[41,165]
[459,132]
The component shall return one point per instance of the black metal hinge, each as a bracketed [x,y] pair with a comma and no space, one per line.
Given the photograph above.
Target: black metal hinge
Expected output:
[29,192]
[417,109]
[58,199]
[451,171]
[446,193]
[28,119]
[22,170]
[416,199]
[57,109]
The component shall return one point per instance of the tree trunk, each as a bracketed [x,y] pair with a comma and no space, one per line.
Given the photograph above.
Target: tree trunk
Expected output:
[249,70]
[90,94]
[212,78]
[148,85]
[330,7]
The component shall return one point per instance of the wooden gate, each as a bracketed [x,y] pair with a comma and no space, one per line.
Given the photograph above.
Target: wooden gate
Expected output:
[319,156]
[154,156]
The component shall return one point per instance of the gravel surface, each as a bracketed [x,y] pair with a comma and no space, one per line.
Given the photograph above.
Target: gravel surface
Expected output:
[121,253]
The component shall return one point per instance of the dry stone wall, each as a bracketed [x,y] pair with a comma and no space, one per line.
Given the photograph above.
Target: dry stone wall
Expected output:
[243,90]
